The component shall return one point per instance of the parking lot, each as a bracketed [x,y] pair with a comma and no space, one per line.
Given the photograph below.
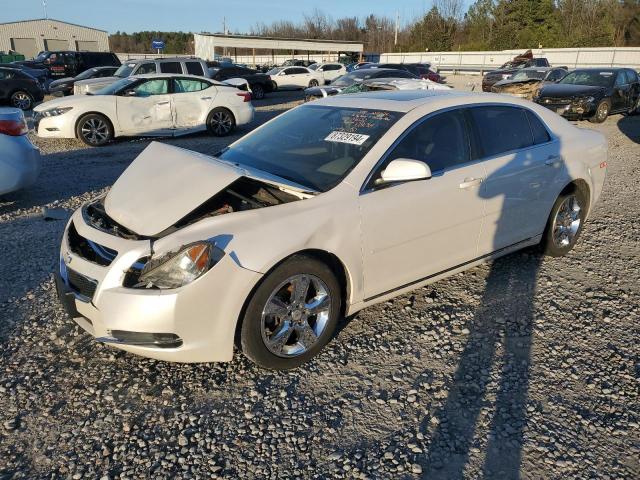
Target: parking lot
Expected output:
[525,368]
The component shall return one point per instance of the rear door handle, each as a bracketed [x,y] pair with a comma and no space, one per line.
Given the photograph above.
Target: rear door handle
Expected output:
[162,103]
[205,98]
[471,182]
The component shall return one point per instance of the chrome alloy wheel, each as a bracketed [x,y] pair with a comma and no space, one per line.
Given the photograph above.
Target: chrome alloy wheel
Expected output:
[221,123]
[21,100]
[602,112]
[95,130]
[567,222]
[295,315]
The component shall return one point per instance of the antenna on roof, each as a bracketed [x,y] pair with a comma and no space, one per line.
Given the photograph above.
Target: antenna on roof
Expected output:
[44,6]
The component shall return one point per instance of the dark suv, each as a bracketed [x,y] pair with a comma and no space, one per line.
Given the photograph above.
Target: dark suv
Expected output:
[69,63]
[509,68]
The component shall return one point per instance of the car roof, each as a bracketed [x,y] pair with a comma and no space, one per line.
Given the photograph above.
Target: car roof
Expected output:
[163,59]
[407,100]
[169,75]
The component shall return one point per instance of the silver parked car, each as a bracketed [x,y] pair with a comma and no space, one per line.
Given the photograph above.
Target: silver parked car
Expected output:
[19,159]
[181,65]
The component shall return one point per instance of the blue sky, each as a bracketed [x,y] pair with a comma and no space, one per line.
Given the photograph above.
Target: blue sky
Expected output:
[197,15]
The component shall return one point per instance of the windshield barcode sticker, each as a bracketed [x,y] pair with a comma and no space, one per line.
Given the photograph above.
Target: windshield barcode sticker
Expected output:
[347,137]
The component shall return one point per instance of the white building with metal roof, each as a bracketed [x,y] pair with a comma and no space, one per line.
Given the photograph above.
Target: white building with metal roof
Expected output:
[29,37]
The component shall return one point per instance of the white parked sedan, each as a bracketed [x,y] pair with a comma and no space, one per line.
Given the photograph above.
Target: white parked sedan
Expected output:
[286,78]
[330,207]
[148,105]
[330,71]
[19,159]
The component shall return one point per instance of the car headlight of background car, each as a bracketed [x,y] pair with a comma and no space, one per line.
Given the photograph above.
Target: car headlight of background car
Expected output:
[54,112]
[506,76]
[176,269]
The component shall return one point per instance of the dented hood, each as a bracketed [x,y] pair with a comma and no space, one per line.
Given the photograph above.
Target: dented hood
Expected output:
[162,185]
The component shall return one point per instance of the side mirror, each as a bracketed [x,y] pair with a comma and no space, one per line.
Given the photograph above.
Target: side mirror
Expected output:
[405,170]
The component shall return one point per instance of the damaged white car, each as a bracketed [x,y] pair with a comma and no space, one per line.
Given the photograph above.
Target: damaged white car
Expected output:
[149,105]
[330,207]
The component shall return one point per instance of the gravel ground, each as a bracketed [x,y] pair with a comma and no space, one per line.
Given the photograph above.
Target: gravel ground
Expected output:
[525,368]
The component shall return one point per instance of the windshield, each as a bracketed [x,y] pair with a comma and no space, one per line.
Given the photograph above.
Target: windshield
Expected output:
[351,78]
[594,78]
[313,66]
[529,74]
[274,71]
[42,56]
[315,146]
[115,87]
[124,70]
[86,74]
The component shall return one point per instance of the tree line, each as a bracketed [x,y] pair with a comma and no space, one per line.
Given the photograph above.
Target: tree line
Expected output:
[446,26]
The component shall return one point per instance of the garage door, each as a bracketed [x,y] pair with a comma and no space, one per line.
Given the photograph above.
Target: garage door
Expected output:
[54,45]
[86,46]
[25,46]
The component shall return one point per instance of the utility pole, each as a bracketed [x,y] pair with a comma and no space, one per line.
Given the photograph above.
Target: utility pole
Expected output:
[224,32]
[395,41]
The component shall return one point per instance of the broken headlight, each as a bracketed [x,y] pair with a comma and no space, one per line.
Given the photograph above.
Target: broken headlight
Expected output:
[176,269]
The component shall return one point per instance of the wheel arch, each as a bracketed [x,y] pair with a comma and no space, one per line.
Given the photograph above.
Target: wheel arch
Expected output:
[336,265]
[84,114]
[580,185]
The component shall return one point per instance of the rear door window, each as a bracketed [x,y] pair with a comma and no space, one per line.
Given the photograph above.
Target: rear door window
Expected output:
[501,129]
[538,130]
[194,68]
[185,85]
[170,67]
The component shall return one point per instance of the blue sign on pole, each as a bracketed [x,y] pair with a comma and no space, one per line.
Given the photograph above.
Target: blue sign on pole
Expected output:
[157,45]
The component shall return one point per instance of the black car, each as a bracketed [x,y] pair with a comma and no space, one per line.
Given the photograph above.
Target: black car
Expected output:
[509,68]
[259,83]
[593,93]
[39,74]
[20,89]
[70,63]
[65,85]
[351,78]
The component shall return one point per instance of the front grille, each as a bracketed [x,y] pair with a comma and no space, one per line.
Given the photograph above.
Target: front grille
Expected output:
[89,250]
[82,285]
[555,101]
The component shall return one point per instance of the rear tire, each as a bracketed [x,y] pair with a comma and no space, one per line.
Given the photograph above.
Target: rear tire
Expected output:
[602,112]
[22,100]
[220,122]
[565,223]
[94,130]
[257,91]
[313,83]
[279,330]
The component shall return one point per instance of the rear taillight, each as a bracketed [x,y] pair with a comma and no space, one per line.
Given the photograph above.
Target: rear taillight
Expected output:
[246,96]
[14,127]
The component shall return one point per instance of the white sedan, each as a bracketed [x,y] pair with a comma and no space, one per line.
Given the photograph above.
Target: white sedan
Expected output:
[286,78]
[149,105]
[19,160]
[330,71]
[330,207]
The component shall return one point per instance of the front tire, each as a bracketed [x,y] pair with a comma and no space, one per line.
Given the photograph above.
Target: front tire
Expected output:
[565,223]
[313,83]
[220,122]
[94,130]
[291,315]
[22,100]
[602,112]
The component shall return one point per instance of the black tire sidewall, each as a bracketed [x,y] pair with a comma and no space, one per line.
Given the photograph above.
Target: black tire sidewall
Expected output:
[210,128]
[314,83]
[257,87]
[251,341]
[83,119]
[31,100]
[595,119]
[548,245]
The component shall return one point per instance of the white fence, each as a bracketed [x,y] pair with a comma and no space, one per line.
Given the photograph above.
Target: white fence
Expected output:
[247,59]
[478,62]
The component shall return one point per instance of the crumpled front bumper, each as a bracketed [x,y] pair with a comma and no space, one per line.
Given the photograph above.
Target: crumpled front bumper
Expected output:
[202,314]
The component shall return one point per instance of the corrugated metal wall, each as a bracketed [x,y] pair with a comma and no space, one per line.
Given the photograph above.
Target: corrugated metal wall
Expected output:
[58,33]
[478,61]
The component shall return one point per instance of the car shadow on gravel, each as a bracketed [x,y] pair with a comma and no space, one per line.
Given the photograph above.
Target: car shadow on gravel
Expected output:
[630,126]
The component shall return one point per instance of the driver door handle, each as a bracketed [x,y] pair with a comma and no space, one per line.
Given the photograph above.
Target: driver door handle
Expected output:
[205,98]
[471,182]
[553,160]
[163,103]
